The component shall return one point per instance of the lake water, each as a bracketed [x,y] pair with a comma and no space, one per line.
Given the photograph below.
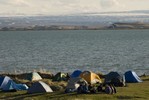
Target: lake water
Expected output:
[95,50]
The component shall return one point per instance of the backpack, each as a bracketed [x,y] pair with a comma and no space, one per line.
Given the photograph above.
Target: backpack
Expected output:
[108,90]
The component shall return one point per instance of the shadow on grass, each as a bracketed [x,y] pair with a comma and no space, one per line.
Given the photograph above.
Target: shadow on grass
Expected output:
[145,79]
[128,97]
[21,96]
[54,96]
[63,95]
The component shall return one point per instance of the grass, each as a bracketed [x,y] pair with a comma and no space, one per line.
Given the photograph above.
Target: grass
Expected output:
[133,91]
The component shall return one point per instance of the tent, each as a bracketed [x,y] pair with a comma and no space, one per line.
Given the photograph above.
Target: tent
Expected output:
[11,85]
[22,87]
[74,83]
[132,77]
[60,77]
[115,78]
[90,77]
[33,76]
[3,81]
[76,73]
[39,87]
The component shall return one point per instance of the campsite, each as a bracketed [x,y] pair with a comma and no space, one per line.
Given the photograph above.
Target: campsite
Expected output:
[43,86]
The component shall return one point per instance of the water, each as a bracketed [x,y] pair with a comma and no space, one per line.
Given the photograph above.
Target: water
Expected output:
[95,50]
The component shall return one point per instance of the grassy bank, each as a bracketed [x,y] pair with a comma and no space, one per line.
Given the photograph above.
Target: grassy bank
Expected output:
[133,91]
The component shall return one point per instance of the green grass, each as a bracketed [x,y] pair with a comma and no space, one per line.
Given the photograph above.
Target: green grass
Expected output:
[133,91]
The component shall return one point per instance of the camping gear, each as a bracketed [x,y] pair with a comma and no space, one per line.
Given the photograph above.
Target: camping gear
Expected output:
[92,89]
[83,88]
[33,76]
[74,83]
[115,78]
[60,77]
[39,87]
[90,77]
[132,77]
[76,73]
[108,89]
[3,81]
[100,88]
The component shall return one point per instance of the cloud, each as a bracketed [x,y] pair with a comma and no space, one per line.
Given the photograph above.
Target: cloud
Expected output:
[109,3]
[59,7]
[14,2]
[49,6]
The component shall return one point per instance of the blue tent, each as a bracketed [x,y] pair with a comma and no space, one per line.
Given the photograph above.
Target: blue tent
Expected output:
[3,81]
[76,73]
[39,87]
[132,77]
[22,87]
[11,85]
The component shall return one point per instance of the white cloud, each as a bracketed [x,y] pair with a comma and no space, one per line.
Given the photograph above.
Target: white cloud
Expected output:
[55,7]
[109,3]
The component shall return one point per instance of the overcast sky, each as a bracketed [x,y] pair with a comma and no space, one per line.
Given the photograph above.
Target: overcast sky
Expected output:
[62,7]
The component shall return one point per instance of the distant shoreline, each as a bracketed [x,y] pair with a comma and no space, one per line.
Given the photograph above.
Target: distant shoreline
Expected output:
[115,26]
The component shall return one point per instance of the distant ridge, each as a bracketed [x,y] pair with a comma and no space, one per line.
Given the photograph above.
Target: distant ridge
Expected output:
[97,20]
[136,25]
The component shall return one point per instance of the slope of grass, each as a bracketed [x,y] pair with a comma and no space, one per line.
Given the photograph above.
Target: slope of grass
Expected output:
[133,91]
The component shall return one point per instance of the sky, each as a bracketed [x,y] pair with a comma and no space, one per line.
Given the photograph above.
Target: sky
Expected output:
[68,7]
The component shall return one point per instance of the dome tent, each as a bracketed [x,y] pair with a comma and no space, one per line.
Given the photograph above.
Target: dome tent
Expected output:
[76,73]
[3,81]
[39,87]
[11,85]
[60,77]
[7,84]
[74,83]
[33,76]
[90,77]
[115,78]
[132,77]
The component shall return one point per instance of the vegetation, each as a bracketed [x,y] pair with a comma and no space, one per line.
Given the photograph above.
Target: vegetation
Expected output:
[133,91]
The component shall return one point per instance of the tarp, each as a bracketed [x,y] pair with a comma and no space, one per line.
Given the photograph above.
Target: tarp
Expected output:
[132,77]
[3,81]
[90,77]
[76,73]
[39,87]
[33,76]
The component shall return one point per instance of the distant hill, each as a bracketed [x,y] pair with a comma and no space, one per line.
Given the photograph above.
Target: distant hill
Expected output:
[129,26]
[95,20]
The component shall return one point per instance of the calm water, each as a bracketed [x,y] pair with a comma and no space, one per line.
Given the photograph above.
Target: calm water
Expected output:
[95,50]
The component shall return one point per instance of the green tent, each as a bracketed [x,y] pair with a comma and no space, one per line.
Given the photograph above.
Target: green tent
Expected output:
[60,77]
